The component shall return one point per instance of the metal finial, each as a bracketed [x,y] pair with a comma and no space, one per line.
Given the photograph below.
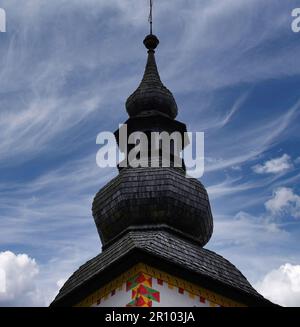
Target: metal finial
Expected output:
[150,16]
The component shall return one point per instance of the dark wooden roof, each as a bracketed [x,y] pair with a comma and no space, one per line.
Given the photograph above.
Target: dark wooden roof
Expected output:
[151,95]
[168,252]
[153,216]
[145,196]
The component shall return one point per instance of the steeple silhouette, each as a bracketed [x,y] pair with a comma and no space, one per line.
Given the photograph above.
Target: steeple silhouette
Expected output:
[153,223]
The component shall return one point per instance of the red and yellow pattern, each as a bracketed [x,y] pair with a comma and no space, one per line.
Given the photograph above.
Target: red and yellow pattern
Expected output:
[142,274]
[142,292]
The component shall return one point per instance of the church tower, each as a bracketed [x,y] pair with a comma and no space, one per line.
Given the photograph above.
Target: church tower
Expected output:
[153,222]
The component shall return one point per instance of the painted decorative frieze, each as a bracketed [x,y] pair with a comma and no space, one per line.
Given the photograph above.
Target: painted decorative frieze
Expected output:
[145,286]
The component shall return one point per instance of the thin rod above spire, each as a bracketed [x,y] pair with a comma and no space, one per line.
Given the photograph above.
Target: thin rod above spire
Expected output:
[151,16]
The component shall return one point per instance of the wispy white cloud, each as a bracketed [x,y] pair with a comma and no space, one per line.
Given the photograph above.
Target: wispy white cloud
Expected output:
[220,122]
[247,230]
[47,111]
[274,166]
[40,101]
[284,202]
[239,238]
[32,210]
[230,186]
[236,57]
[252,141]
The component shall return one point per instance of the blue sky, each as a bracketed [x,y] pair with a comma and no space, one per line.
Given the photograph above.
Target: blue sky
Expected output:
[66,70]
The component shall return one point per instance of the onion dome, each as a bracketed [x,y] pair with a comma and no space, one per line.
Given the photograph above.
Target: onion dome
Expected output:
[151,97]
[153,197]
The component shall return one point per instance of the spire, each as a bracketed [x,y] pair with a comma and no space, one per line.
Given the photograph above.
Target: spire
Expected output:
[151,97]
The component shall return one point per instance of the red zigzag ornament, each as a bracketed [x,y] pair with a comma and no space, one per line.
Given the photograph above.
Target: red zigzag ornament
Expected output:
[142,293]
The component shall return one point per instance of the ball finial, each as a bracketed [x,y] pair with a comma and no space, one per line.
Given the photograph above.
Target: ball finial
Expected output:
[151,42]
